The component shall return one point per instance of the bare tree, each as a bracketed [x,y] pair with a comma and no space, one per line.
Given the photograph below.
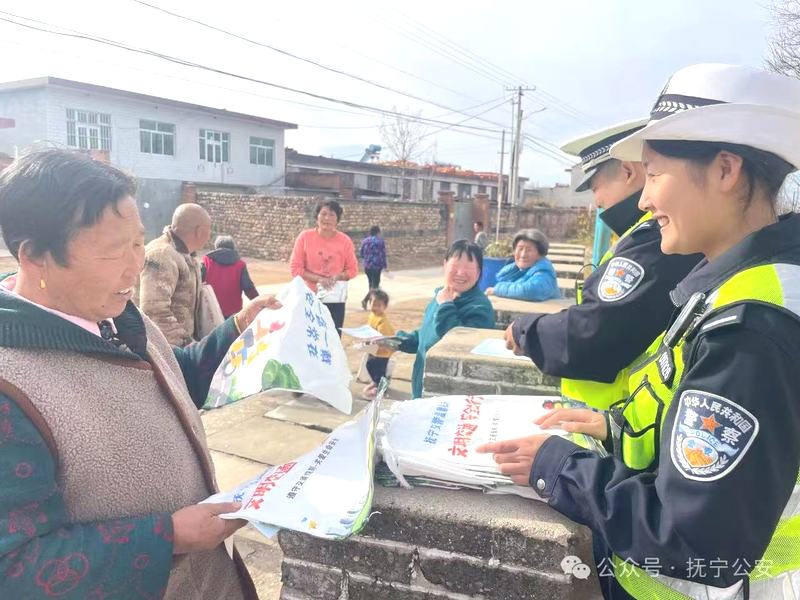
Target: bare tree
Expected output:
[404,137]
[784,46]
[789,196]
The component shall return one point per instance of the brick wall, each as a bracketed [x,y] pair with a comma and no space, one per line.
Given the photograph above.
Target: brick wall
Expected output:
[559,224]
[415,232]
[266,226]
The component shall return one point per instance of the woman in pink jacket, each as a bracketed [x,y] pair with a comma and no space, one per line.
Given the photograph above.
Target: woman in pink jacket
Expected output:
[326,259]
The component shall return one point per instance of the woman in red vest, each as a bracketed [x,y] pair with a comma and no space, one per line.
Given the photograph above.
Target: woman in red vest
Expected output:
[227,274]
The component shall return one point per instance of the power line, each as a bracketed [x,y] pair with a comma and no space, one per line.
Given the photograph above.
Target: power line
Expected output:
[185,62]
[446,54]
[500,71]
[297,57]
[344,73]
[464,121]
[496,73]
[545,151]
[435,117]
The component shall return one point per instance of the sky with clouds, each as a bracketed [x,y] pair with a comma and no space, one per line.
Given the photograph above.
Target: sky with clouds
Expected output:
[591,63]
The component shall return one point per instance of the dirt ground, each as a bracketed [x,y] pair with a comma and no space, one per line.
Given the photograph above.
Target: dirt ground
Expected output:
[404,315]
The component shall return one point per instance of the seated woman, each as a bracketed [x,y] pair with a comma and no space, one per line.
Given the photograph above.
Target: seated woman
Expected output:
[531,276]
[459,303]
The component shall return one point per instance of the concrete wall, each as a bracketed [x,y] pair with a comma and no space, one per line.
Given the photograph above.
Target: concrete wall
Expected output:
[266,226]
[157,200]
[27,108]
[41,116]
[430,544]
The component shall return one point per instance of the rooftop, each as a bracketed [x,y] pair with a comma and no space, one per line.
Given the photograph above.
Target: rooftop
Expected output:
[37,82]
[388,167]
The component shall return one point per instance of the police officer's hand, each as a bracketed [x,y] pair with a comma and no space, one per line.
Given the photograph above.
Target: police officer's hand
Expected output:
[511,343]
[576,420]
[248,314]
[515,457]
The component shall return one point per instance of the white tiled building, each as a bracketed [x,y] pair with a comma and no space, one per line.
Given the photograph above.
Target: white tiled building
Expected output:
[162,142]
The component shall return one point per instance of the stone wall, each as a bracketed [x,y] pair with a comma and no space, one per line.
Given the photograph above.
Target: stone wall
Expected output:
[416,233]
[432,544]
[558,224]
[266,226]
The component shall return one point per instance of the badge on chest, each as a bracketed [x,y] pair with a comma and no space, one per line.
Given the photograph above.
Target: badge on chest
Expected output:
[710,436]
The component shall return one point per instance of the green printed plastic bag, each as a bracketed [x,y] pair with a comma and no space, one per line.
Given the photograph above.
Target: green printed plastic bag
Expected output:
[326,493]
[294,348]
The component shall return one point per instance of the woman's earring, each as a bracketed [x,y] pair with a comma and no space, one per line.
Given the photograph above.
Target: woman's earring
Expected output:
[42,284]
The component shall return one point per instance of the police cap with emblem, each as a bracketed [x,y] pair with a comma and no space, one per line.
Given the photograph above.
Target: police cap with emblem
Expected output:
[593,148]
[726,104]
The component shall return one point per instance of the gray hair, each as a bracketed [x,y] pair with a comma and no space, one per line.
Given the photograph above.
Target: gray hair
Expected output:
[536,237]
[224,241]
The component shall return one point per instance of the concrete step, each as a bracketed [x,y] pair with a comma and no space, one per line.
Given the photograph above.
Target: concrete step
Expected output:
[507,309]
[451,368]
[437,544]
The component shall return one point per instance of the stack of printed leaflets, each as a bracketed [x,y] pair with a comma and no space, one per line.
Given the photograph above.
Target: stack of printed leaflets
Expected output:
[432,441]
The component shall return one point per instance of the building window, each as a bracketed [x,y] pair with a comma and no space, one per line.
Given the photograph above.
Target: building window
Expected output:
[261,151]
[494,194]
[214,146]
[156,138]
[374,183]
[88,130]
[444,186]
[464,190]
[481,189]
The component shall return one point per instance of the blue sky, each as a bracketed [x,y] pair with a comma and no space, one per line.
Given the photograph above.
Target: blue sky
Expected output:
[592,63]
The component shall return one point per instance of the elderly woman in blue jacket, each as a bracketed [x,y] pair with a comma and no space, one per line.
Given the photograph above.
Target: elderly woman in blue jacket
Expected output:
[531,276]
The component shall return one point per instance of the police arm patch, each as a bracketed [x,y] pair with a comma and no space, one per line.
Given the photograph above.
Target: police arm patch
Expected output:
[622,276]
[710,436]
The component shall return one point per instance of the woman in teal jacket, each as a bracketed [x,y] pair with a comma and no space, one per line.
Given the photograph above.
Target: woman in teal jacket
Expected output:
[459,303]
[531,276]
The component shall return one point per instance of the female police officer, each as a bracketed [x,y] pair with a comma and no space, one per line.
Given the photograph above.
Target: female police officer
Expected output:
[714,415]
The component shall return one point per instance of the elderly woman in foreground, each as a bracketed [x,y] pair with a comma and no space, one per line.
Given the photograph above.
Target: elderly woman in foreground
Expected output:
[103,458]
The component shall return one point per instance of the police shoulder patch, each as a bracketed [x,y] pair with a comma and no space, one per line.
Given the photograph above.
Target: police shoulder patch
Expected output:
[621,277]
[710,436]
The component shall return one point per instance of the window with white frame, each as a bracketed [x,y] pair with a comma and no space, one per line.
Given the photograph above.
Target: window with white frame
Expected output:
[156,137]
[261,151]
[88,130]
[214,146]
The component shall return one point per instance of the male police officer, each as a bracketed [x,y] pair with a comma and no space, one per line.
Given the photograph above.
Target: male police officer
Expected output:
[625,302]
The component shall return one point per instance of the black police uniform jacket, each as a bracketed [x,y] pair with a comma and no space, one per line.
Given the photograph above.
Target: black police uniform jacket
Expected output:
[664,517]
[596,339]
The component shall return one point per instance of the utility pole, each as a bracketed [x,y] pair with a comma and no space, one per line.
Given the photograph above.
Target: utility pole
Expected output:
[516,145]
[500,186]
